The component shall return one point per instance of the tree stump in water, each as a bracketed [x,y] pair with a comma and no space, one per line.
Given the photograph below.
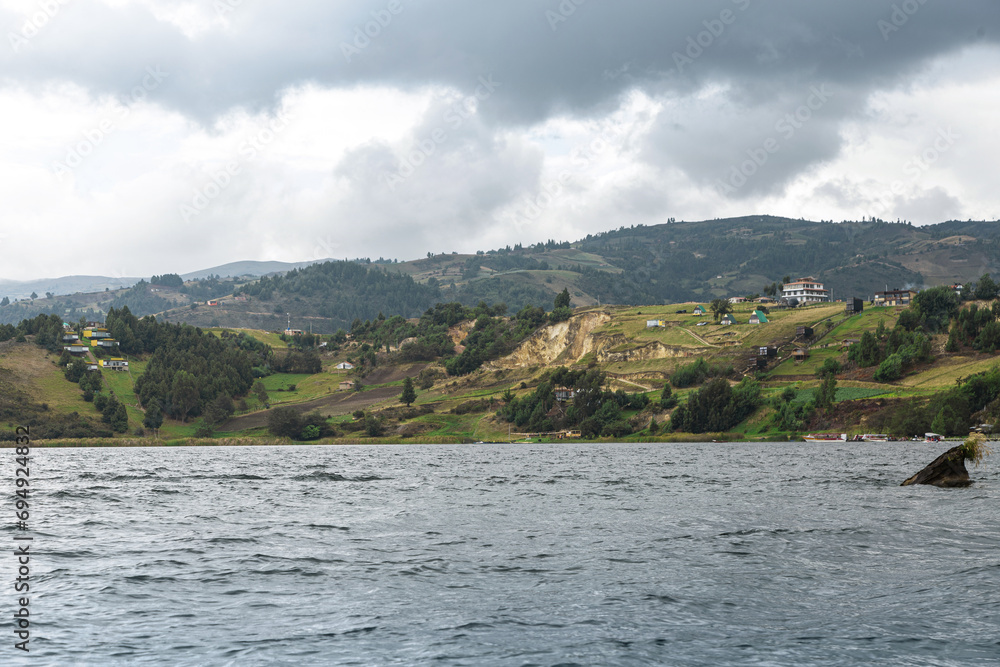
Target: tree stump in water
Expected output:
[946,471]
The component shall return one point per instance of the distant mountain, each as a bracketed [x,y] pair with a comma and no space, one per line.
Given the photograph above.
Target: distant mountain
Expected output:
[249,268]
[643,265]
[18,289]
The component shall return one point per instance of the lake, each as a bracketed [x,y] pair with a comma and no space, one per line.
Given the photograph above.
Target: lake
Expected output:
[587,554]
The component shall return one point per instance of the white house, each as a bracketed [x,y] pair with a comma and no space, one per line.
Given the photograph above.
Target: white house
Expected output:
[345,366]
[806,290]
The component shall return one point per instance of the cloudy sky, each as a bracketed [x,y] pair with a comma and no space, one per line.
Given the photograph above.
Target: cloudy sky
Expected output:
[151,136]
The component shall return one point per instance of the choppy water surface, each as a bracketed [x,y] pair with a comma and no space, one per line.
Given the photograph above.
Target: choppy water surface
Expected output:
[777,554]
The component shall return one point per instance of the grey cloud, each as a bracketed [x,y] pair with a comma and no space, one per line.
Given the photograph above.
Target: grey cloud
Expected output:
[600,50]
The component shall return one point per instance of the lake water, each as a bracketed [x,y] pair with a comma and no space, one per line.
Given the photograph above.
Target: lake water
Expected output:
[707,554]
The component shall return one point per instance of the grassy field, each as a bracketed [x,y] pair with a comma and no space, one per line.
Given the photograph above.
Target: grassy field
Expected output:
[946,372]
[267,337]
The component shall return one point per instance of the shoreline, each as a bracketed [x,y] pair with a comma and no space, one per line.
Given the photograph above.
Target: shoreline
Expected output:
[688,438]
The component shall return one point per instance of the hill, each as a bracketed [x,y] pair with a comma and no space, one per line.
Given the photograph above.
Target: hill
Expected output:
[629,369]
[647,265]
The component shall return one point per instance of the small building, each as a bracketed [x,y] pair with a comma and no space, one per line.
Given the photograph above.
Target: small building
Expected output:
[115,364]
[766,300]
[699,310]
[293,332]
[344,366]
[759,362]
[806,290]
[95,332]
[855,306]
[76,348]
[212,302]
[652,324]
[93,366]
[564,394]
[728,320]
[346,385]
[767,351]
[104,342]
[758,318]
[800,354]
[804,332]
[894,297]
[847,342]
[70,337]
[737,299]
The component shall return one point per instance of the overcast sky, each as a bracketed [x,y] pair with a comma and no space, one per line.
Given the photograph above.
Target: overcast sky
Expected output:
[151,136]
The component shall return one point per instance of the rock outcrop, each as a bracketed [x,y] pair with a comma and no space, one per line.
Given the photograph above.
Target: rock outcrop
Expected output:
[947,470]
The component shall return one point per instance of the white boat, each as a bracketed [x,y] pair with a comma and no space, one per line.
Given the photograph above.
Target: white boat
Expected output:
[875,437]
[826,437]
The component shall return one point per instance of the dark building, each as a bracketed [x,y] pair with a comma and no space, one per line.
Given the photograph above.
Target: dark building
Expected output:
[804,332]
[855,306]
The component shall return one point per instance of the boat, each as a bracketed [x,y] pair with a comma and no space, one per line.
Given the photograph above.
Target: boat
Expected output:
[826,437]
[933,437]
[875,437]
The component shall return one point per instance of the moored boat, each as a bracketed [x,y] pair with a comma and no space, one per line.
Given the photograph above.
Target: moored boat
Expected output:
[826,437]
[875,437]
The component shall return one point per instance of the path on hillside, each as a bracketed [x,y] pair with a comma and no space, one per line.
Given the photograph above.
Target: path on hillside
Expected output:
[697,337]
[634,384]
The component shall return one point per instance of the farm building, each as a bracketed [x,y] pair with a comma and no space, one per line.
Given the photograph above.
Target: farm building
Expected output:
[564,394]
[895,297]
[115,364]
[855,306]
[758,318]
[344,366]
[699,310]
[346,385]
[804,332]
[76,348]
[728,320]
[94,332]
[801,354]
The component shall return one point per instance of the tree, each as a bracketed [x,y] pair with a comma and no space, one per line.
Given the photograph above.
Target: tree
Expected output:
[284,422]
[154,418]
[260,392]
[986,289]
[5,302]
[667,398]
[185,394]
[119,420]
[827,391]
[409,394]
[720,307]
[562,299]
[220,409]
[34,295]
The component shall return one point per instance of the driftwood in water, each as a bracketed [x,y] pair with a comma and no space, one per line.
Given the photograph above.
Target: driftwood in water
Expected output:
[947,470]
